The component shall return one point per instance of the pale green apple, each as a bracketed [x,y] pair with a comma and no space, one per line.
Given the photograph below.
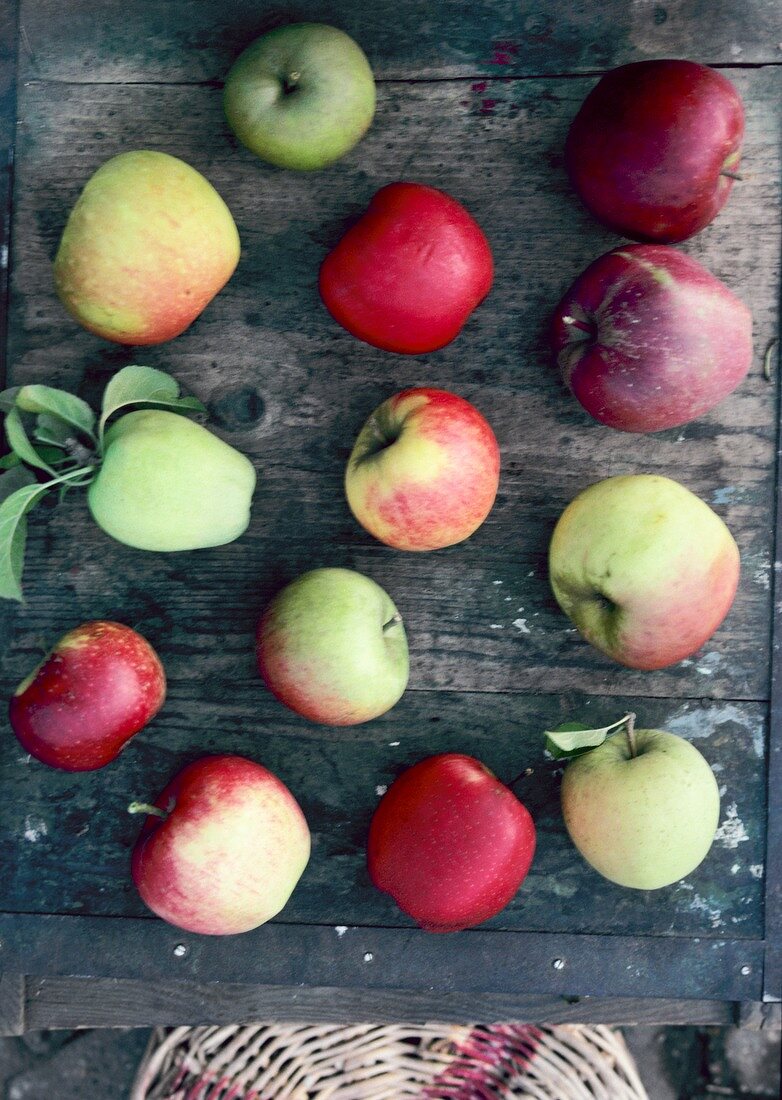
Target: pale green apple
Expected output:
[300,96]
[643,821]
[644,568]
[167,483]
[332,647]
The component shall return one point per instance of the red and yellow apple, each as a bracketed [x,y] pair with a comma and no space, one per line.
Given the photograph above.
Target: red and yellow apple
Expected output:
[409,273]
[222,848]
[99,685]
[644,568]
[424,470]
[450,843]
[647,338]
[655,147]
[146,247]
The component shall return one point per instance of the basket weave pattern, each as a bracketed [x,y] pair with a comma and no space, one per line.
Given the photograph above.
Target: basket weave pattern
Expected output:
[388,1062]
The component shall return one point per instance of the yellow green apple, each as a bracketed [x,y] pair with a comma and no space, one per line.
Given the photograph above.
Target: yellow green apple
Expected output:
[644,568]
[167,483]
[146,247]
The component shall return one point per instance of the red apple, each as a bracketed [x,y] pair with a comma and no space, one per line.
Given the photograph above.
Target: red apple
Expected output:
[450,843]
[408,275]
[653,148]
[424,470]
[99,686]
[222,849]
[648,339]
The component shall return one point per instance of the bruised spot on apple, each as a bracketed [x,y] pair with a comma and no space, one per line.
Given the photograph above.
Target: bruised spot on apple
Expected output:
[450,843]
[409,273]
[642,811]
[147,246]
[644,568]
[653,148]
[224,850]
[648,339]
[424,471]
[100,684]
[332,647]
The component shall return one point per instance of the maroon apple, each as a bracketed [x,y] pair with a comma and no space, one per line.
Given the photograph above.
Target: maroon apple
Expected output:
[647,339]
[100,684]
[410,272]
[654,149]
[222,848]
[450,843]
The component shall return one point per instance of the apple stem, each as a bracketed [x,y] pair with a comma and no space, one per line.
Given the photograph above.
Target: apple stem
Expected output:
[522,775]
[147,808]
[731,175]
[767,360]
[584,326]
[630,731]
[395,618]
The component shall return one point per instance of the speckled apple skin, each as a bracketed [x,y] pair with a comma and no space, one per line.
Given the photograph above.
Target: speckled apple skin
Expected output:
[450,843]
[100,684]
[230,852]
[424,471]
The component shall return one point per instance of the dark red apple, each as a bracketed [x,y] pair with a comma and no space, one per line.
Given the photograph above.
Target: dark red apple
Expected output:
[408,275]
[222,848]
[100,684]
[450,843]
[653,149]
[648,339]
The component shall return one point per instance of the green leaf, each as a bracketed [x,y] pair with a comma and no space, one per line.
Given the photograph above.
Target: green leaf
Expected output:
[7,462]
[59,403]
[574,739]
[15,479]
[51,429]
[13,535]
[18,442]
[136,385]
[8,398]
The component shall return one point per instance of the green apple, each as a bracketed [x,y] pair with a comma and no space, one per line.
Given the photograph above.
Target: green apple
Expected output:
[332,647]
[167,483]
[644,568]
[147,246]
[300,96]
[643,810]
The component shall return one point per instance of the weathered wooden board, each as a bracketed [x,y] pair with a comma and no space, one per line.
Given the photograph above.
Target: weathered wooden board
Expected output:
[291,388]
[105,40]
[72,836]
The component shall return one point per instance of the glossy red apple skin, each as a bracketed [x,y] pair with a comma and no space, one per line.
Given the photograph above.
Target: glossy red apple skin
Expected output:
[230,852]
[450,843]
[409,273]
[648,339]
[100,684]
[647,148]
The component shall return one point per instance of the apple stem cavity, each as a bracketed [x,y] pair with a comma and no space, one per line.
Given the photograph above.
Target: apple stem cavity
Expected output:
[629,721]
[395,619]
[291,82]
[148,809]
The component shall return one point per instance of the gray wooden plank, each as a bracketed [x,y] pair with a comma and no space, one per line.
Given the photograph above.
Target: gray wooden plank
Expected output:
[12,1004]
[108,1002]
[71,836]
[98,40]
[291,388]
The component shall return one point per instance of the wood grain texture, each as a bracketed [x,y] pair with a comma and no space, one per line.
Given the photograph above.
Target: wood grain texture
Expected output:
[12,1004]
[72,837]
[291,388]
[189,40]
[81,1002]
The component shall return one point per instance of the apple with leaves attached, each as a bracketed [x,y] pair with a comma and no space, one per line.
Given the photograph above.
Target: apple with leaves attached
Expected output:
[157,481]
[450,843]
[147,246]
[641,806]
[222,847]
[300,96]
[655,148]
[424,471]
[100,684]
[644,568]
[332,647]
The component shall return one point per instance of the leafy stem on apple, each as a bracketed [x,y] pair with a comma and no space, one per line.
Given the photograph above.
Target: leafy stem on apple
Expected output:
[574,739]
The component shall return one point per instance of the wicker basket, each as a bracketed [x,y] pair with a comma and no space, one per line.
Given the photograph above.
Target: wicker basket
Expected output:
[371,1062]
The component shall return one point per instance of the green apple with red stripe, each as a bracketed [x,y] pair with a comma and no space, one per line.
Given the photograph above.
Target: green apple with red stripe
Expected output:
[644,568]
[332,646]
[424,471]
